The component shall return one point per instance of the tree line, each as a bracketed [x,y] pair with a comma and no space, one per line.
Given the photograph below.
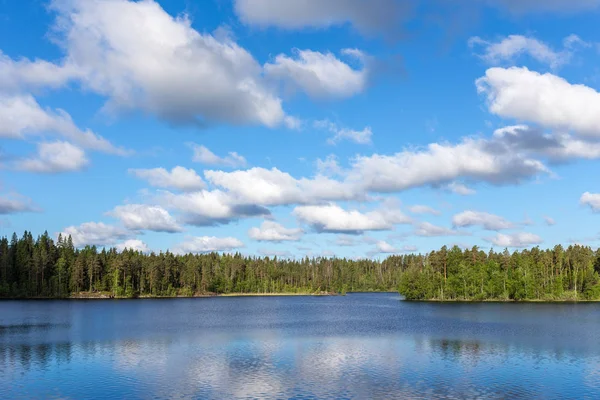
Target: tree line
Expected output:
[43,267]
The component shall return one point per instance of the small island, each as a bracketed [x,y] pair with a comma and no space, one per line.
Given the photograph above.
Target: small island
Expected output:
[45,268]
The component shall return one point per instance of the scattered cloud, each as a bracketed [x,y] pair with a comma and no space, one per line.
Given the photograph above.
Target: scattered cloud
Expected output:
[194,78]
[421,209]
[133,244]
[427,229]
[271,231]
[592,200]
[21,116]
[549,221]
[509,48]
[339,134]
[203,155]
[515,93]
[207,244]
[145,217]
[96,234]
[207,208]
[485,220]
[333,218]
[54,157]
[519,239]
[320,75]
[14,203]
[461,189]
[178,178]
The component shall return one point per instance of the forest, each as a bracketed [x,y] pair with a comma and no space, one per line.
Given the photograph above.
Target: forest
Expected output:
[45,268]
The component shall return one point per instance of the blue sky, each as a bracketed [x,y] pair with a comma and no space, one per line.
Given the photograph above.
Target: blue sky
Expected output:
[301,127]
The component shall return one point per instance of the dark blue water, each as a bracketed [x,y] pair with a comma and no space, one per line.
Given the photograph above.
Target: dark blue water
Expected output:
[362,346]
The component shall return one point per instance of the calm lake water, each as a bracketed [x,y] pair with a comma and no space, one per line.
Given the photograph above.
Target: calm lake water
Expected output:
[363,346]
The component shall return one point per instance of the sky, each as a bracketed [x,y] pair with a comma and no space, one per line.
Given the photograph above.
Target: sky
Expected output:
[302,127]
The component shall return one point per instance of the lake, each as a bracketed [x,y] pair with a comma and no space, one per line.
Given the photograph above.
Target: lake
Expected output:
[359,346]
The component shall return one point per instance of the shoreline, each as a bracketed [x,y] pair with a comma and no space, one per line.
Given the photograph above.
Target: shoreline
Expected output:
[107,296]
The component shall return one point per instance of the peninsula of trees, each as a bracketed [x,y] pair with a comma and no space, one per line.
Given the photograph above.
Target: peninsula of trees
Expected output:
[42,267]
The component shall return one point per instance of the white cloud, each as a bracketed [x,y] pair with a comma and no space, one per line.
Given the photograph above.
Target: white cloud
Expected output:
[145,217]
[203,155]
[54,157]
[592,200]
[209,207]
[133,244]
[21,116]
[367,17]
[485,220]
[271,231]
[207,244]
[14,203]
[429,230]
[421,209]
[339,134]
[520,239]
[319,75]
[383,247]
[178,178]
[275,253]
[329,166]
[333,218]
[140,57]
[26,74]
[509,48]
[516,93]
[269,187]
[549,221]
[95,234]
[439,164]
[460,189]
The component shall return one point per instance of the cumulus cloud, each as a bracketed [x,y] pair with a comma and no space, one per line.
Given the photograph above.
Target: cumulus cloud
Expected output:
[269,187]
[439,164]
[145,217]
[96,234]
[21,116]
[592,200]
[54,157]
[557,147]
[178,178]
[509,48]
[205,208]
[207,244]
[549,221]
[360,137]
[371,17]
[421,209]
[133,244]
[485,220]
[333,218]
[320,75]
[516,93]
[429,230]
[271,231]
[203,155]
[140,57]
[519,239]
[14,203]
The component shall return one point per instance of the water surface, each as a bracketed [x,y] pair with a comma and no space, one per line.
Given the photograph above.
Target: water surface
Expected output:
[362,346]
